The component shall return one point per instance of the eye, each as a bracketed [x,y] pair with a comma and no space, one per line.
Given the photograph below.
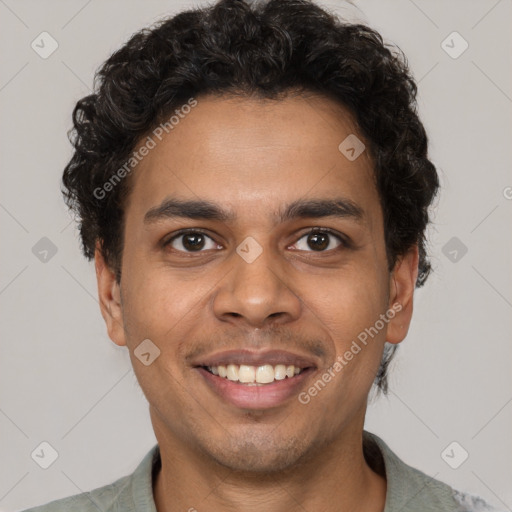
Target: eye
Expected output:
[191,241]
[320,240]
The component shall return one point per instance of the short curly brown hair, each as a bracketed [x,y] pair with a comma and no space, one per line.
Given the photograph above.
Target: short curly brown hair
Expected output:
[263,49]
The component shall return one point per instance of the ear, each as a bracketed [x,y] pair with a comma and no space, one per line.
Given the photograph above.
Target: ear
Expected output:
[402,285]
[109,294]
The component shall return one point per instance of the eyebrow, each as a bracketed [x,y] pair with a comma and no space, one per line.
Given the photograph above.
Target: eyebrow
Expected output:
[172,208]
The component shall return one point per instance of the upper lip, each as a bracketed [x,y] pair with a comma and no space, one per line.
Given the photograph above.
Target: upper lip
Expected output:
[253,358]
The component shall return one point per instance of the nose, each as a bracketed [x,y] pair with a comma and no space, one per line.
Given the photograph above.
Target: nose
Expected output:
[257,292]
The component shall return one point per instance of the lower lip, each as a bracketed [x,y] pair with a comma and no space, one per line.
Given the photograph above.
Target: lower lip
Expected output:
[264,396]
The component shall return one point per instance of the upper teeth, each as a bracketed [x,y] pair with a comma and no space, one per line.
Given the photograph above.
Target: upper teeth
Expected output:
[255,374]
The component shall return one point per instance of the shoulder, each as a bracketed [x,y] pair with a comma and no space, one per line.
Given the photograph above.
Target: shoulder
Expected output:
[130,493]
[471,503]
[411,490]
[102,498]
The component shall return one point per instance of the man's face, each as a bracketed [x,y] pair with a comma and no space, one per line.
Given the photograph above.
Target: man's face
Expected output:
[256,288]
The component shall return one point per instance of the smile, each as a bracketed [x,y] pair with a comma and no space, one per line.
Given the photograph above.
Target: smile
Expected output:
[249,379]
[255,375]
[253,395]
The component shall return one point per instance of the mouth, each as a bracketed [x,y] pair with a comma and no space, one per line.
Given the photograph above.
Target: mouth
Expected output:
[256,381]
[255,375]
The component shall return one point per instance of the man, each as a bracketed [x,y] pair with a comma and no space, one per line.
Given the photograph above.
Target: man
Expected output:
[253,184]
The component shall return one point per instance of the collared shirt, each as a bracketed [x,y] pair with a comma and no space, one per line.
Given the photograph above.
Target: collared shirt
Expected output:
[408,489]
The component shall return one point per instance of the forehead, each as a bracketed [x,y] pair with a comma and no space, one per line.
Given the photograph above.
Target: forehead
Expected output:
[252,154]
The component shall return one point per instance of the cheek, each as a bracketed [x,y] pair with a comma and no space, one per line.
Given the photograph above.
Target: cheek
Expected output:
[158,309]
[348,301]
[349,305]
[154,305]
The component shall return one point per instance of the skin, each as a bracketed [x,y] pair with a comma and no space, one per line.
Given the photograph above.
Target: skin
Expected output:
[253,157]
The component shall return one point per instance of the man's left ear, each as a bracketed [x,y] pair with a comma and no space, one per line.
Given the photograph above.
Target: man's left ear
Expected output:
[402,285]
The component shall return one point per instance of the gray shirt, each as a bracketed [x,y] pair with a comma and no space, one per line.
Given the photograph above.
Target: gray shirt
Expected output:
[408,490]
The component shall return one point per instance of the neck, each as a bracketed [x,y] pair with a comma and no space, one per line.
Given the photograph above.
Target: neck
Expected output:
[337,478]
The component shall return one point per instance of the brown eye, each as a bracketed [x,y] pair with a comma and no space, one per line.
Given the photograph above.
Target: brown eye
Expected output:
[320,240]
[191,241]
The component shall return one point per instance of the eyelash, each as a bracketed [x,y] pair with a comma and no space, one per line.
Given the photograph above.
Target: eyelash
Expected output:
[344,242]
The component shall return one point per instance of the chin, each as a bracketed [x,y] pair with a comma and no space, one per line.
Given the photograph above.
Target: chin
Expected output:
[259,456]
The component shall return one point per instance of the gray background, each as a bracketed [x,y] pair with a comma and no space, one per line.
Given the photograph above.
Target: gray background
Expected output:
[63,381]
